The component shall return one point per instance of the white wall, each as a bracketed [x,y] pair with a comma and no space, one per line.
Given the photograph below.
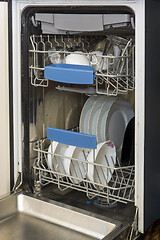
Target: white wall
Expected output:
[4,102]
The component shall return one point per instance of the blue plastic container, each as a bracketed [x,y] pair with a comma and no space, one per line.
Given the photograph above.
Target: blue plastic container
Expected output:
[69,73]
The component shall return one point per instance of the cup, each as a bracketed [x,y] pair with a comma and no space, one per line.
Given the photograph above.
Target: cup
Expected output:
[97,61]
[54,57]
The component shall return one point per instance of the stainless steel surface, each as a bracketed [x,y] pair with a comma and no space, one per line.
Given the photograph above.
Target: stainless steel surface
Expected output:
[113,183]
[50,107]
[24,217]
[23,227]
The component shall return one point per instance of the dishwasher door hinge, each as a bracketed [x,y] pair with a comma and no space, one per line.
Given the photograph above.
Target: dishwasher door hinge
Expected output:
[20,186]
[18,183]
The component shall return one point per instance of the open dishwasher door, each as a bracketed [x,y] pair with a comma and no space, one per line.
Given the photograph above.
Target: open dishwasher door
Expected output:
[23,219]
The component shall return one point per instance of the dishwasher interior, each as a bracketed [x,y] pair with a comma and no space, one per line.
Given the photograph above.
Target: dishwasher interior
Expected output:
[78,103]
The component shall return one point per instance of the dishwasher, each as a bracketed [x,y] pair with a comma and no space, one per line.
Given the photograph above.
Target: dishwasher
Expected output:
[80,129]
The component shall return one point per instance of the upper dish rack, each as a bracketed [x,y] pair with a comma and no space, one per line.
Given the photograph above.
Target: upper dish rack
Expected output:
[114,66]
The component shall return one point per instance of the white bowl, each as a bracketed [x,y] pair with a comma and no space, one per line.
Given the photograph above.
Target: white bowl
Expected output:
[105,154]
[77,58]
[73,168]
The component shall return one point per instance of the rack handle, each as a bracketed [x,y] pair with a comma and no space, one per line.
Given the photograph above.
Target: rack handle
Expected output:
[70,73]
[72,138]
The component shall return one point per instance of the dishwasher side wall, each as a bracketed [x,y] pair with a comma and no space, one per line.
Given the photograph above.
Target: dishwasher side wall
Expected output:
[4,99]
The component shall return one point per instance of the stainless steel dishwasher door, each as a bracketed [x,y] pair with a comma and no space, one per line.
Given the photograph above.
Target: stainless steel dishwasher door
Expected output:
[24,217]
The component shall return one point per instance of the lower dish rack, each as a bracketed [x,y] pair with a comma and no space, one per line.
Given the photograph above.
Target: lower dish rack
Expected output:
[112,183]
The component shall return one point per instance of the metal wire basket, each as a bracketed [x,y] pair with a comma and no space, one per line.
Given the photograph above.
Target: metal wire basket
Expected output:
[115,184]
[113,74]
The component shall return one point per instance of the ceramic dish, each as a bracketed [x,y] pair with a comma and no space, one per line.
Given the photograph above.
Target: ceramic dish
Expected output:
[118,118]
[78,169]
[105,154]
[102,119]
[94,115]
[84,118]
[67,159]
[77,58]
[51,151]
[58,161]
[97,61]
[74,168]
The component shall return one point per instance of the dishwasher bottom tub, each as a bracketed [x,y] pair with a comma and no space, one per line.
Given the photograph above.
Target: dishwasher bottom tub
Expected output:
[24,216]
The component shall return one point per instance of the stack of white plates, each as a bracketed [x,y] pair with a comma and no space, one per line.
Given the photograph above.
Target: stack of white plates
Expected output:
[78,163]
[64,164]
[94,115]
[107,118]
[85,114]
[73,168]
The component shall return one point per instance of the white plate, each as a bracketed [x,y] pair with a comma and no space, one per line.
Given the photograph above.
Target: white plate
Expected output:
[74,168]
[119,116]
[58,161]
[78,169]
[84,118]
[67,161]
[102,119]
[94,115]
[97,174]
[51,151]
